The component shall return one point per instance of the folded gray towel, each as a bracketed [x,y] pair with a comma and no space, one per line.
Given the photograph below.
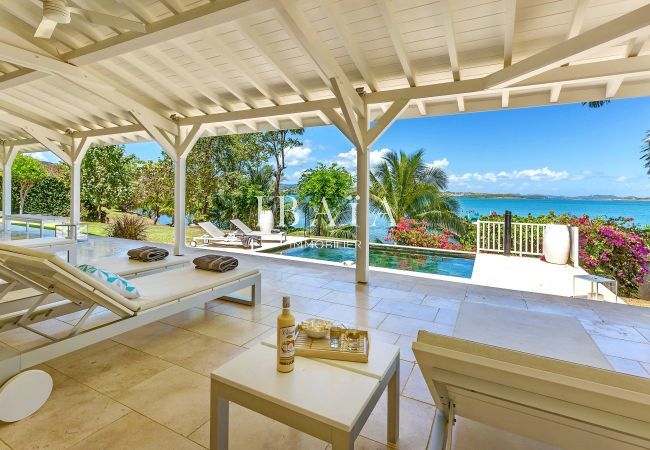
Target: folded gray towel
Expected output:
[248,240]
[148,253]
[216,263]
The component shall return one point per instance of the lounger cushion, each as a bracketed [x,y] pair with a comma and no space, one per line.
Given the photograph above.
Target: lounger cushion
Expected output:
[128,268]
[172,285]
[111,279]
[41,242]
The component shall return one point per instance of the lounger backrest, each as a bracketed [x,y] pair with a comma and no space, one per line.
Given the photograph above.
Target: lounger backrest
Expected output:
[600,397]
[211,229]
[241,225]
[47,272]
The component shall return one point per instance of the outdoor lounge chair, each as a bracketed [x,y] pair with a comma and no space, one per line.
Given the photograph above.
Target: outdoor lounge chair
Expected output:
[48,244]
[245,229]
[63,289]
[215,235]
[560,403]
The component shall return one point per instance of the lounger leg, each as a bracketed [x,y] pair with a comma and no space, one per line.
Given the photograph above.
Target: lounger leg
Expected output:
[393,406]
[218,420]
[437,441]
[342,441]
[24,394]
[256,292]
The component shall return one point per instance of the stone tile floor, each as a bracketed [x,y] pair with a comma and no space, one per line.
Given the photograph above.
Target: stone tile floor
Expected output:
[149,388]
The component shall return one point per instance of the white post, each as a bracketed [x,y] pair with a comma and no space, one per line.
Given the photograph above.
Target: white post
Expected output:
[8,157]
[363,209]
[180,165]
[75,192]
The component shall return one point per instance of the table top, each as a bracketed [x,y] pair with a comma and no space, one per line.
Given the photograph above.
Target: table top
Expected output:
[551,335]
[35,217]
[380,358]
[594,278]
[330,394]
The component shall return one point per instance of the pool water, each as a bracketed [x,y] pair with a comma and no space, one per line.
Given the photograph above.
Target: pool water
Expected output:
[415,260]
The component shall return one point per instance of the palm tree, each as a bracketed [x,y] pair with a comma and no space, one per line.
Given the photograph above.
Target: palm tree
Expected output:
[412,189]
[645,151]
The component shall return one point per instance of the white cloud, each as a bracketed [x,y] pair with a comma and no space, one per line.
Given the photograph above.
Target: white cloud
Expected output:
[621,179]
[543,174]
[296,156]
[349,159]
[292,177]
[43,156]
[439,163]
[582,176]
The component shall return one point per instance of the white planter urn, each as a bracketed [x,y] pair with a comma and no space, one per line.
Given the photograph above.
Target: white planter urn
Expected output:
[557,244]
[266,221]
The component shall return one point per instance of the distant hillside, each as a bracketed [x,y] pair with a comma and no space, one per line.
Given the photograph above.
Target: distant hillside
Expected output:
[550,197]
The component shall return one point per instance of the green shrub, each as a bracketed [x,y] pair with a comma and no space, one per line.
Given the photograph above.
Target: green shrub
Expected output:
[129,226]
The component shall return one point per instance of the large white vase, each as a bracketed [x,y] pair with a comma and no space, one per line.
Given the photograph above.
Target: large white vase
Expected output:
[266,221]
[557,244]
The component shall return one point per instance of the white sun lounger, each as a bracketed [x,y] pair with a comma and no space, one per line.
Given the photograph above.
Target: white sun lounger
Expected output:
[161,295]
[241,226]
[48,244]
[214,235]
[560,403]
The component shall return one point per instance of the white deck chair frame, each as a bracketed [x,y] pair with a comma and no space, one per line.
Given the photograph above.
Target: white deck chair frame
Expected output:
[552,401]
[214,235]
[77,292]
[241,226]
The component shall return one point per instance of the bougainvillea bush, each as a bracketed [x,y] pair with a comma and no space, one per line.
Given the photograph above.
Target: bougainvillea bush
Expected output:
[416,233]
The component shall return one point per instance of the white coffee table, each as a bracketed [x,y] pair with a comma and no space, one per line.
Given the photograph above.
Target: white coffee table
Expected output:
[330,400]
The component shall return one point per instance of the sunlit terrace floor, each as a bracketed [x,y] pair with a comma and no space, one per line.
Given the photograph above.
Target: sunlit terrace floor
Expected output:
[149,388]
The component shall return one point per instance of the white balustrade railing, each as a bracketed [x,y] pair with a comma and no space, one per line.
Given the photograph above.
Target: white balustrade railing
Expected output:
[526,238]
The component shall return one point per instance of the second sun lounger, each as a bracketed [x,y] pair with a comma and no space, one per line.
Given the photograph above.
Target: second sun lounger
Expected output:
[560,403]
[241,226]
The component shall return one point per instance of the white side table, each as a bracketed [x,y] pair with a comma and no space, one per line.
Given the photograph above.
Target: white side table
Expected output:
[330,400]
[596,280]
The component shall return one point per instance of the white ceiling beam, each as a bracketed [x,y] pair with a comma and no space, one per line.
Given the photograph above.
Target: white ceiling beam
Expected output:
[236,61]
[81,78]
[25,123]
[386,8]
[343,30]
[306,38]
[450,37]
[56,147]
[555,93]
[510,14]
[351,119]
[422,109]
[385,121]
[339,122]
[461,103]
[620,29]
[578,18]
[635,46]
[196,19]
[505,98]
[245,28]
[612,87]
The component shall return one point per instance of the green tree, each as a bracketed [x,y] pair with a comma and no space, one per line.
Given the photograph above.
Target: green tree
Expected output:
[323,186]
[26,172]
[107,179]
[645,151]
[414,190]
[154,191]
[276,144]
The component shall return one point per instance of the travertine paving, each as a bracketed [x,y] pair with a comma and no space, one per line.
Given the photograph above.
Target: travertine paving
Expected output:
[149,388]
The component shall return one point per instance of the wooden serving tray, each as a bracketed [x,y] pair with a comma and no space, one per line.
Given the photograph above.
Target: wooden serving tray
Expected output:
[320,348]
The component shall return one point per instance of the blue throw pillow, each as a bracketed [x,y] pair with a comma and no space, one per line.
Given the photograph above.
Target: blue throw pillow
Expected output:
[111,280]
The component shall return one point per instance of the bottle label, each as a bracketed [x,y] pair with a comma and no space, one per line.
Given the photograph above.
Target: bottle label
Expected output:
[287,351]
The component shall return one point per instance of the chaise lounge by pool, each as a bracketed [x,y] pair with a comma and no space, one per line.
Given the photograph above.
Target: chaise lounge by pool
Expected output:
[439,262]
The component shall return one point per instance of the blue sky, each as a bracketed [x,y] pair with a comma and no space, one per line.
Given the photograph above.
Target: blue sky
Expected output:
[557,150]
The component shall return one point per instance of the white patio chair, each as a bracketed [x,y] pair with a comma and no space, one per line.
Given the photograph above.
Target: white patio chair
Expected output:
[214,235]
[245,229]
[560,403]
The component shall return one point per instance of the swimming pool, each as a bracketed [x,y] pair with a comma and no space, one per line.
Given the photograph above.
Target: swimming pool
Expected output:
[387,256]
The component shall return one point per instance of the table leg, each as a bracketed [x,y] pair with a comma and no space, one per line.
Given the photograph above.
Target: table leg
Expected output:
[218,422]
[393,407]
[342,441]
[42,228]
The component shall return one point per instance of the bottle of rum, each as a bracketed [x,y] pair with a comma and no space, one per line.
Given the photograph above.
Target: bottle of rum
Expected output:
[286,336]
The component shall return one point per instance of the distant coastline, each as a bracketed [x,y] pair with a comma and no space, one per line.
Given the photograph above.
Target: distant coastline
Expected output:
[549,197]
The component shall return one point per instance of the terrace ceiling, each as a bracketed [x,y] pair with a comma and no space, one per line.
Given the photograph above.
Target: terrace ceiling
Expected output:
[240,66]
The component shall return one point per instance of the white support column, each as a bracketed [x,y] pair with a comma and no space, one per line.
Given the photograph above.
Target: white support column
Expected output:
[8,156]
[180,167]
[363,210]
[76,152]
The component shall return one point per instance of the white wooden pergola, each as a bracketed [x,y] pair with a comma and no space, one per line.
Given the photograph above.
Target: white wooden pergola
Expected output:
[176,70]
